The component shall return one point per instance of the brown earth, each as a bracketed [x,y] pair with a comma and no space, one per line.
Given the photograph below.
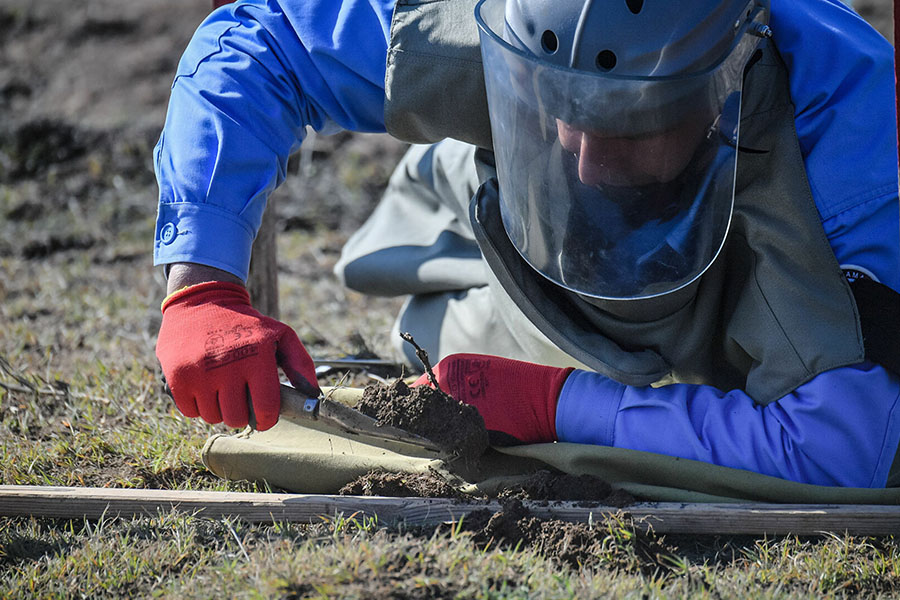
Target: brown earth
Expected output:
[454,427]
[552,486]
[400,485]
[572,544]
[544,485]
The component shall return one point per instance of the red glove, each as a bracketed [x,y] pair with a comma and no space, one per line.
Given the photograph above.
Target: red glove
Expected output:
[214,348]
[516,399]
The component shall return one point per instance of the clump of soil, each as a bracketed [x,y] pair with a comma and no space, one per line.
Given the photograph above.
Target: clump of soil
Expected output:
[571,543]
[540,486]
[574,544]
[454,427]
[550,486]
[400,485]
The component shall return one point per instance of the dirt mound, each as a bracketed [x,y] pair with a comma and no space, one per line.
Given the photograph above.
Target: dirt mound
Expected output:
[573,544]
[455,427]
[400,485]
[540,486]
[550,486]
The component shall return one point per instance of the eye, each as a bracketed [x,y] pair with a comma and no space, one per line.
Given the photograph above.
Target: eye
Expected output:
[549,42]
[606,60]
[635,6]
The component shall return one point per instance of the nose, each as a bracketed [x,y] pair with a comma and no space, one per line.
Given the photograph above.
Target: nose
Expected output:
[623,161]
[609,161]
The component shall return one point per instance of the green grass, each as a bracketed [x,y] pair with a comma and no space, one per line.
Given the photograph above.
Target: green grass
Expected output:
[183,556]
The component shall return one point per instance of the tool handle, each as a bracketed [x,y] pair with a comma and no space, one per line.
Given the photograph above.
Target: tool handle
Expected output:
[298,406]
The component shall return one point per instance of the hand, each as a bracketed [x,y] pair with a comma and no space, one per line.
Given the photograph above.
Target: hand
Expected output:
[516,399]
[215,349]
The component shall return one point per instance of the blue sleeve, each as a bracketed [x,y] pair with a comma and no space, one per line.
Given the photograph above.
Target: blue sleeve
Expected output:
[842,85]
[255,74]
[843,427]
[840,429]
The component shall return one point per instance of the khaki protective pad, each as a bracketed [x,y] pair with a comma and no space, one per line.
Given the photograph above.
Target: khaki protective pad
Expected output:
[311,459]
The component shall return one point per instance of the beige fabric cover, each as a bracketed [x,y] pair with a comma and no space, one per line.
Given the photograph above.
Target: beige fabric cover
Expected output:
[303,459]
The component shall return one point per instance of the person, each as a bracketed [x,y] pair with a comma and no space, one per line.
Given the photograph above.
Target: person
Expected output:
[671,228]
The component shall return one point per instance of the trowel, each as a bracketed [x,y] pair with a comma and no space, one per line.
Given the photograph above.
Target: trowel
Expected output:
[298,407]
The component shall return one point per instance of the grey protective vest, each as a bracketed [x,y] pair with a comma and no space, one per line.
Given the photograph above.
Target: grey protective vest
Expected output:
[774,310]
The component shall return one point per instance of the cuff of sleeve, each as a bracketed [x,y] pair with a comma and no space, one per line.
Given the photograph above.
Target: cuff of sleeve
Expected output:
[203,234]
[586,412]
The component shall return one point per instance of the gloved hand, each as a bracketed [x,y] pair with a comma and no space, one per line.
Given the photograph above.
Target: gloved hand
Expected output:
[215,348]
[516,399]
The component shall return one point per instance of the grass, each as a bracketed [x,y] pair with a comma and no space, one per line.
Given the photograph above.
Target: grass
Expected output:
[185,556]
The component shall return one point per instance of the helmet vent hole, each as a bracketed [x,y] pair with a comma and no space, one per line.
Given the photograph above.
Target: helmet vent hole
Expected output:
[635,6]
[606,60]
[549,42]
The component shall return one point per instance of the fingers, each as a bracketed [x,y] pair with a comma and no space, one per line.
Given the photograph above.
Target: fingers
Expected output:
[185,403]
[445,366]
[463,376]
[296,363]
[184,399]
[234,403]
[265,394]
[239,396]
[207,400]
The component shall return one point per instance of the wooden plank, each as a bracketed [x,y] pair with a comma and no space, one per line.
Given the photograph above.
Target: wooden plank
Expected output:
[662,517]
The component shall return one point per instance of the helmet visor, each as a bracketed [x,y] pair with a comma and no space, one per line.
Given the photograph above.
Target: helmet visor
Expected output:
[614,187]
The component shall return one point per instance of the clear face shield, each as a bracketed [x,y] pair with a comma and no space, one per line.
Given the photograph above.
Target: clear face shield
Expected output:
[613,187]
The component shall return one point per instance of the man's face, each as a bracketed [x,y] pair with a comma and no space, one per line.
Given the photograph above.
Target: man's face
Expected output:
[632,161]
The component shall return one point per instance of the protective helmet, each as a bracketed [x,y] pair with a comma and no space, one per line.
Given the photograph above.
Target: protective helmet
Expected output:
[615,127]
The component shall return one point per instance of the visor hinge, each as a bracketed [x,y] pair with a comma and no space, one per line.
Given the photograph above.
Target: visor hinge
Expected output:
[761,30]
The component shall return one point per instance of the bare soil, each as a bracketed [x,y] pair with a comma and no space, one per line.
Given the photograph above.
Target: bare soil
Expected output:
[544,485]
[572,544]
[400,485]
[551,486]
[455,427]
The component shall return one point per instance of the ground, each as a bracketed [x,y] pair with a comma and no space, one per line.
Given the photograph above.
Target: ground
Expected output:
[83,93]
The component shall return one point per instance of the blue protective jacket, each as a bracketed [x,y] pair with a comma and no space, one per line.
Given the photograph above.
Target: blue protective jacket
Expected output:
[258,72]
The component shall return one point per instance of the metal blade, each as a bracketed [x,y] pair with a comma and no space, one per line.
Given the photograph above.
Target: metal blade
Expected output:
[378,366]
[298,407]
[356,362]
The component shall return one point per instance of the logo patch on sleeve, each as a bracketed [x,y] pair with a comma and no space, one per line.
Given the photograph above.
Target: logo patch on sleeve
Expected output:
[855,272]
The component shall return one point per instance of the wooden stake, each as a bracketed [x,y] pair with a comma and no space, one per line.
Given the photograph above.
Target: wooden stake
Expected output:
[262,282]
[662,517]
